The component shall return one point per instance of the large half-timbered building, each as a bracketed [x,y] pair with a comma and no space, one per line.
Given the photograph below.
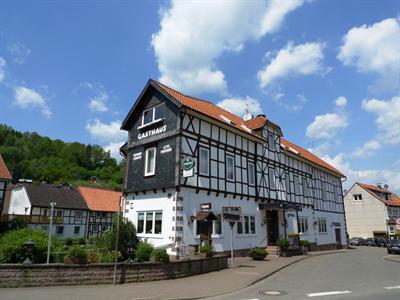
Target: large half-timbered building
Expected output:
[187,158]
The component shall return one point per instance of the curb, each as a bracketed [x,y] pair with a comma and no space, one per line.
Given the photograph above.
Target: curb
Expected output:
[257,280]
[389,258]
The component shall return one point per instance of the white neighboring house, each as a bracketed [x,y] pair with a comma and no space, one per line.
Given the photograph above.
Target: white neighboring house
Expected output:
[187,158]
[31,202]
[371,211]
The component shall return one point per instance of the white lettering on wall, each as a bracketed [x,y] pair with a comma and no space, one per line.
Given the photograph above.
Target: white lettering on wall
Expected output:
[166,149]
[152,132]
[137,156]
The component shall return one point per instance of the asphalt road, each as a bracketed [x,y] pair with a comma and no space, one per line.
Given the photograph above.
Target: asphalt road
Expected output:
[361,274]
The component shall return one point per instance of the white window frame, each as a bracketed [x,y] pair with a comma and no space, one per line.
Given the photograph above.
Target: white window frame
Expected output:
[322,225]
[303,224]
[246,226]
[78,212]
[153,223]
[153,172]
[153,116]
[79,230]
[60,226]
[208,161]
[230,157]
[251,172]
[359,196]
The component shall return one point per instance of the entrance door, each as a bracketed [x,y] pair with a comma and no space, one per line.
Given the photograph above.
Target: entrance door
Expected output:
[338,238]
[272,226]
[204,229]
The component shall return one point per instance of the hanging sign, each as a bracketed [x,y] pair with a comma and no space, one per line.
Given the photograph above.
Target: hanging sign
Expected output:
[232,213]
[188,167]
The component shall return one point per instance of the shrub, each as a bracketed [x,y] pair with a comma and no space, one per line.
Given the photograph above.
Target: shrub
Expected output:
[106,257]
[68,241]
[160,255]
[206,248]
[93,256]
[305,243]
[292,234]
[143,251]
[77,251]
[80,241]
[283,244]
[258,253]
[12,243]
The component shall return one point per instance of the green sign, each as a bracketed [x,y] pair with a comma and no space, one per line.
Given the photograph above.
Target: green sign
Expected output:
[188,163]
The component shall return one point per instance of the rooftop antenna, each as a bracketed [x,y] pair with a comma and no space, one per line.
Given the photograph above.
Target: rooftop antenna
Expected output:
[248,115]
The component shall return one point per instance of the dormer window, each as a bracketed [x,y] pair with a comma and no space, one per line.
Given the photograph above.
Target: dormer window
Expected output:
[153,115]
[357,197]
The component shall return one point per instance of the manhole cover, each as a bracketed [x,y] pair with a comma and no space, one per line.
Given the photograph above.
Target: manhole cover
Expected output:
[272,293]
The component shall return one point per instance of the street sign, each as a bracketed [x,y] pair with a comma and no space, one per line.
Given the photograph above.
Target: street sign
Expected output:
[188,167]
[398,221]
[232,214]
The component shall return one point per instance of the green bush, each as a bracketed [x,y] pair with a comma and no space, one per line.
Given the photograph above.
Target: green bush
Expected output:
[206,248]
[305,243]
[12,249]
[68,241]
[80,241]
[77,251]
[258,253]
[93,256]
[283,244]
[292,234]
[143,251]
[160,255]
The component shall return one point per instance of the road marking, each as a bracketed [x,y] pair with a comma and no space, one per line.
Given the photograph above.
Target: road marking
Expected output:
[392,287]
[327,293]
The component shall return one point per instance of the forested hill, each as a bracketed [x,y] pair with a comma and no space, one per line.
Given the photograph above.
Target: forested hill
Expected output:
[32,156]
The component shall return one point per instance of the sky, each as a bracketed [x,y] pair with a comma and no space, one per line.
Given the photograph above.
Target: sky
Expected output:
[328,72]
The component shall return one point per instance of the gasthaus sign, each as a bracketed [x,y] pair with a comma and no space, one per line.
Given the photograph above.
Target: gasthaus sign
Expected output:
[152,132]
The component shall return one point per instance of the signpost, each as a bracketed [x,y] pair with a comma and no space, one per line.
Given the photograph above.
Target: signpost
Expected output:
[232,214]
[188,167]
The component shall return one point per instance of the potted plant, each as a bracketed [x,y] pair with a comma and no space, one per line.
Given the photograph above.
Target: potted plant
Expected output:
[258,253]
[76,255]
[305,246]
[283,247]
[206,250]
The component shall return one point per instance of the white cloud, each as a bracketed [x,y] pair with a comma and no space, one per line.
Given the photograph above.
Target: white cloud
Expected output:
[3,65]
[238,106]
[29,98]
[374,49]
[326,126]
[194,34]
[98,103]
[388,118]
[368,149]
[108,133]
[304,59]
[341,101]
[19,52]
[98,95]
[114,150]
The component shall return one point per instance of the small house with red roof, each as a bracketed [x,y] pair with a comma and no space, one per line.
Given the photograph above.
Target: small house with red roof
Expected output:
[371,210]
[5,178]
[189,161]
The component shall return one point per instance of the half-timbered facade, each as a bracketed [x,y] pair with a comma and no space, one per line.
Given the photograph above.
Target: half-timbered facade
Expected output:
[5,178]
[186,156]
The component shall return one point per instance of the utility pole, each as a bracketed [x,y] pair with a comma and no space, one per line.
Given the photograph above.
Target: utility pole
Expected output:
[116,241]
[52,204]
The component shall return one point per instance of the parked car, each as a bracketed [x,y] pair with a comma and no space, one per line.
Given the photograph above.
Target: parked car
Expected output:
[393,246]
[381,242]
[370,242]
[357,241]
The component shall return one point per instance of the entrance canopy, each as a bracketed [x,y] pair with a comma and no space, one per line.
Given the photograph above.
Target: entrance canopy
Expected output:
[205,215]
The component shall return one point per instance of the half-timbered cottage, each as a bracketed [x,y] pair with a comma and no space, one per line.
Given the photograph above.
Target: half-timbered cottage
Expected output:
[188,158]
[102,204]
[5,178]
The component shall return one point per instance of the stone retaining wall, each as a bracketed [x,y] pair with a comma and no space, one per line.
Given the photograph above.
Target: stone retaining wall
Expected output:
[13,275]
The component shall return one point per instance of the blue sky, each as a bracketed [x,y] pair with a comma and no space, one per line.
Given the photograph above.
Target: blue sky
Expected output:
[326,71]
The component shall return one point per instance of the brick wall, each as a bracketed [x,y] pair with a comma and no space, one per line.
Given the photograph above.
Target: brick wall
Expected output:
[13,275]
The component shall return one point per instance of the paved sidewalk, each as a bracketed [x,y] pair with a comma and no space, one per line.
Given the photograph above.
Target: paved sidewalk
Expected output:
[393,258]
[246,272]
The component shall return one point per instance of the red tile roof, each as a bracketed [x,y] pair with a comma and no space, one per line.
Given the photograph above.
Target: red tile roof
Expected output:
[209,109]
[311,157]
[99,199]
[4,172]
[214,111]
[394,199]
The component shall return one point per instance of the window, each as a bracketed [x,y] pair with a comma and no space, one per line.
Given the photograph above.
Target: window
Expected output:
[59,230]
[150,162]
[149,222]
[306,190]
[217,230]
[271,141]
[44,227]
[153,115]
[95,228]
[78,215]
[204,158]
[357,197]
[58,213]
[98,215]
[248,226]
[77,229]
[103,214]
[303,225]
[230,165]
[251,171]
[322,225]
[296,185]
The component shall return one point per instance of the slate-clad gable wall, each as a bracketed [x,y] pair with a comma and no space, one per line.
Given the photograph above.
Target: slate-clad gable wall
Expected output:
[166,143]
